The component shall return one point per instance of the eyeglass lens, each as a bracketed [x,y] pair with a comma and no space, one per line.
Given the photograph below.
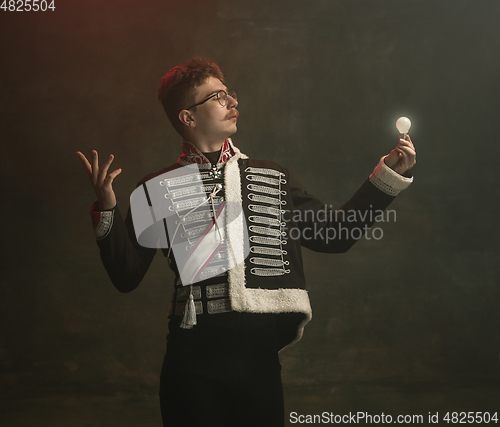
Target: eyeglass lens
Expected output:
[222,97]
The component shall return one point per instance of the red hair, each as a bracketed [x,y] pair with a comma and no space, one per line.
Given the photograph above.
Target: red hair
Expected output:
[178,86]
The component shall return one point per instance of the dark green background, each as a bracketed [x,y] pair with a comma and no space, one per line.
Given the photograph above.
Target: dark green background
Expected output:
[412,319]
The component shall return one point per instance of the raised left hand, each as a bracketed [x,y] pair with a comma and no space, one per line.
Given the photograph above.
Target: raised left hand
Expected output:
[403,157]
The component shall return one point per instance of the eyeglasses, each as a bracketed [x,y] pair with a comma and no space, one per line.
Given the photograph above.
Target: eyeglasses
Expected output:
[221,97]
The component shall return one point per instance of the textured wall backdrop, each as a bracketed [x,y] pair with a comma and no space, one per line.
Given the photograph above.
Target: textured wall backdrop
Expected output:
[320,84]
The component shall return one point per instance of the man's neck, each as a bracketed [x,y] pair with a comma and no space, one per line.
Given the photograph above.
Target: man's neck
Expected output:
[207,147]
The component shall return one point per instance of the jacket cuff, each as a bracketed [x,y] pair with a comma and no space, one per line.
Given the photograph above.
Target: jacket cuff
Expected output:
[388,180]
[102,221]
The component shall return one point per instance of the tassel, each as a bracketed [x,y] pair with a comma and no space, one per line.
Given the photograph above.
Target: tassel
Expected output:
[189,319]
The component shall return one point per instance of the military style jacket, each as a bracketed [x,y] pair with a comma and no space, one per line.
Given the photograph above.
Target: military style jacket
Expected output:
[279,217]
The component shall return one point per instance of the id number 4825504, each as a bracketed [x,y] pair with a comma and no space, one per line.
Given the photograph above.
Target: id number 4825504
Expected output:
[27,5]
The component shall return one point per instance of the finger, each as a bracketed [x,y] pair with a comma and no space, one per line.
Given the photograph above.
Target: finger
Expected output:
[392,158]
[404,142]
[95,166]
[104,170]
[86,164]
[409,140]
[407,156]
[111,177]
[407,150]
[405,137]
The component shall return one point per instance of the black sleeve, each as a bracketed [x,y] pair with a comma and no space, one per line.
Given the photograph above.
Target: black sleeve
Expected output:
[124,259]
[335,231]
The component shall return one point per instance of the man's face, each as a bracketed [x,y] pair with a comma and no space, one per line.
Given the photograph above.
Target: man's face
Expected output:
[213,121]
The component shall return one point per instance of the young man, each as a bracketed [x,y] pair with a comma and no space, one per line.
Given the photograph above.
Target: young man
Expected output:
[221,367]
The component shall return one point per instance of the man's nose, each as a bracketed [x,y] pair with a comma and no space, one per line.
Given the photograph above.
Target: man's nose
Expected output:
[231,102]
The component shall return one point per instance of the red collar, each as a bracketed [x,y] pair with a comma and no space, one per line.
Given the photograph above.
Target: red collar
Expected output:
[191,154]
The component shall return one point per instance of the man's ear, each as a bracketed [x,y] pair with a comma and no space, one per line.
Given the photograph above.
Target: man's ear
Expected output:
[186,118]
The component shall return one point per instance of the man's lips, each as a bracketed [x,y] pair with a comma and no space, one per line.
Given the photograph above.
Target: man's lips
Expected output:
[234,116]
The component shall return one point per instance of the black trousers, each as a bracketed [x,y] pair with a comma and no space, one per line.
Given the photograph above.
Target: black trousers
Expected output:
[222,373]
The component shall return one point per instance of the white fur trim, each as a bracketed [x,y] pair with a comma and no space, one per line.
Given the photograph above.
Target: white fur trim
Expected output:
[245,299]
[388,180]
[236,150]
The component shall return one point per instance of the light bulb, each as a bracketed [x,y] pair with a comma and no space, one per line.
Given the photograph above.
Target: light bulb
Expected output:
[403,124]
